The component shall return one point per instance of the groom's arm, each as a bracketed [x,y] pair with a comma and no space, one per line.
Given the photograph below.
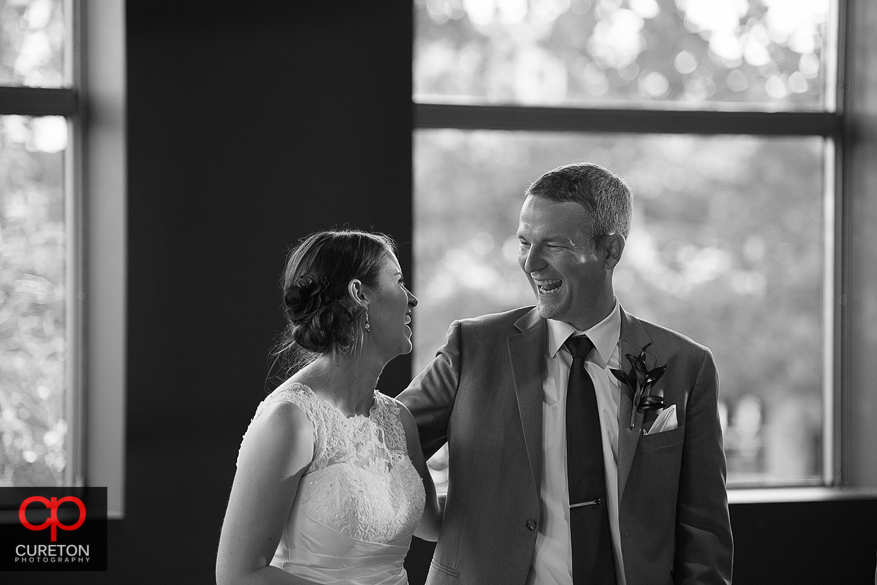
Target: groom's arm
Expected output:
[430,396]
[704,546]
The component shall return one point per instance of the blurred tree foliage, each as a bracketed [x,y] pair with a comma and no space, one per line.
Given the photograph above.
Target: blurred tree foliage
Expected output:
[753,53]
[726,247]
[728,241]
[32,36]
[33,425]
[32,299]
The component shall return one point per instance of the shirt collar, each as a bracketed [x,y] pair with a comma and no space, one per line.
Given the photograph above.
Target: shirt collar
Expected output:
[604,335]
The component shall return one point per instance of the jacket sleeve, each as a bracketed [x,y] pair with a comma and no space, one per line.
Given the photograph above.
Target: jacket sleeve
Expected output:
[430,396]
[704,545]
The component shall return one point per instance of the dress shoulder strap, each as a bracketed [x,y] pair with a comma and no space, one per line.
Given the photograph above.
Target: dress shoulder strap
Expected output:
[304,398]
[389,419]
[296,393]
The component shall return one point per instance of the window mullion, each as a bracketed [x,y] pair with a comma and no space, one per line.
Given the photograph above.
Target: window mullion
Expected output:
[640,121]
[37,101]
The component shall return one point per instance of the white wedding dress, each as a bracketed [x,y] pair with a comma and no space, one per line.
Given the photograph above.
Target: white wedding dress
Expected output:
[359,501]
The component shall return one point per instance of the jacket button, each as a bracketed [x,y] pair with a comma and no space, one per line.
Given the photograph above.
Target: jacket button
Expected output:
[531,525]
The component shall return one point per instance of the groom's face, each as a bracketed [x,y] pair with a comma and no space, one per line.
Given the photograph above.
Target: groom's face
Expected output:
[565,270]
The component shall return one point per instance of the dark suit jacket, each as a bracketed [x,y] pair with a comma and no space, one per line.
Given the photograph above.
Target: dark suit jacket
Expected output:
[483,395]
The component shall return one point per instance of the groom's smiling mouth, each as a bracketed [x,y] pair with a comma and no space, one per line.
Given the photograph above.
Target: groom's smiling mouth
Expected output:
[548,287]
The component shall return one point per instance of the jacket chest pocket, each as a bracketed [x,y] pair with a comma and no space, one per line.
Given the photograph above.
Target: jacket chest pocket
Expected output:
[661,440]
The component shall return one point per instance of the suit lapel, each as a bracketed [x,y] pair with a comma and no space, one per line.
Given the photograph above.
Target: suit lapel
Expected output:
[527,354]
[526,351]
[633,339]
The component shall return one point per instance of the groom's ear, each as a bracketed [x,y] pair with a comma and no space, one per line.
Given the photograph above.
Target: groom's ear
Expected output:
[613,248]
[356,290]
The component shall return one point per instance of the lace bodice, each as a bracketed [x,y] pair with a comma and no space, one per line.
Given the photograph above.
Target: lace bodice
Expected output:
[361,482]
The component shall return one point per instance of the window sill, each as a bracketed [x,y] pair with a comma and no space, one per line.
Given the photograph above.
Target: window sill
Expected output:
[802,494]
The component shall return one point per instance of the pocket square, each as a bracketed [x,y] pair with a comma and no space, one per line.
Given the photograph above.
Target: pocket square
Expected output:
[666,421]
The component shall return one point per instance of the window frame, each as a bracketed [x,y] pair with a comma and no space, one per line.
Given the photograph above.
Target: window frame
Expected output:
[95,192]
[66,102]
[831,124]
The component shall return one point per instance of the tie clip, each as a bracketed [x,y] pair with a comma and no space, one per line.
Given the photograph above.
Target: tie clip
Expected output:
[594,502]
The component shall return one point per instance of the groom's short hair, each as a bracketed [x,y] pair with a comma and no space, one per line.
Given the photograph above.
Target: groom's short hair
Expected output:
[602,193]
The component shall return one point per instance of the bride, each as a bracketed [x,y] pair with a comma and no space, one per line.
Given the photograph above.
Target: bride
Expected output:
[331,482]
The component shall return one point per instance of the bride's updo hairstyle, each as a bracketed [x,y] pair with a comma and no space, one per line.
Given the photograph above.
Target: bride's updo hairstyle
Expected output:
[321,316]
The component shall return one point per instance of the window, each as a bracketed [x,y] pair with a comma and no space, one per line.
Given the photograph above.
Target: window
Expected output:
[721,116]
[62,392]
[39,248]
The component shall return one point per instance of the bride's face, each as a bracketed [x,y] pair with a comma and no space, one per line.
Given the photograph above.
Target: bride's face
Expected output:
[389,310]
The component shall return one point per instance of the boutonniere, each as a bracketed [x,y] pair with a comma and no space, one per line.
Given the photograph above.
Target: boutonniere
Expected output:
[640,379]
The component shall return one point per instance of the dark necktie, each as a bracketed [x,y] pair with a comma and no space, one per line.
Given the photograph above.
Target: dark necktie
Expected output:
[592,557]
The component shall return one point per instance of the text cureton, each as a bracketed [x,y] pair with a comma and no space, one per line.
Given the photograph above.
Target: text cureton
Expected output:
[52,550]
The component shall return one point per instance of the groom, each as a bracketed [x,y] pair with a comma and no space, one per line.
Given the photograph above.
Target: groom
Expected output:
[560,472]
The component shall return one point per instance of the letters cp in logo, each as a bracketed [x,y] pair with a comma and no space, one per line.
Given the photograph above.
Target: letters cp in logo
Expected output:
[52,521]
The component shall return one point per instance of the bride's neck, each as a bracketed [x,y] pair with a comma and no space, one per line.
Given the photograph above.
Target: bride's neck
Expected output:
[347,382]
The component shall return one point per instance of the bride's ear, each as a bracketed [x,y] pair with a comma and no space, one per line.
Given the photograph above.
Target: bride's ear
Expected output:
[356,290]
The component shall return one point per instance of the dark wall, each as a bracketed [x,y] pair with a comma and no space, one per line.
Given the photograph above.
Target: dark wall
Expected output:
[249,127]
[804,543]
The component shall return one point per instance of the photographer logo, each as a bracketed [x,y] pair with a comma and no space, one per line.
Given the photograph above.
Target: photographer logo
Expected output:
[53,521]
[53,529]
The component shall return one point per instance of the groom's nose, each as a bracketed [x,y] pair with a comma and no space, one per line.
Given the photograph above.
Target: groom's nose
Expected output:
[531,260]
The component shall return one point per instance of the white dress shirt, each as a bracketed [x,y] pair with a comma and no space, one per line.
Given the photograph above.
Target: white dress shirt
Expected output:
[552,561]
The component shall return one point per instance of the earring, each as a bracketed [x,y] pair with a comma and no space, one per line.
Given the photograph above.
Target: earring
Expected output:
[368,326]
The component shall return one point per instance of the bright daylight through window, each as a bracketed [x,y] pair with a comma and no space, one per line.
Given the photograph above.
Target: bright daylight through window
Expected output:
[734,228]
[34,249]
